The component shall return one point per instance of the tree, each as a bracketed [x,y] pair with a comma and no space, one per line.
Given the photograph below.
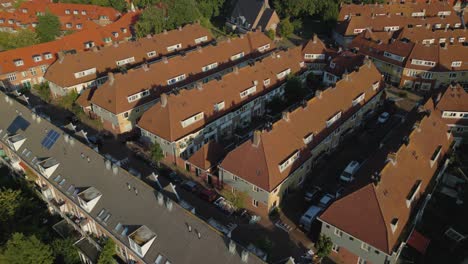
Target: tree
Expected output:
[151,21]
[324,246]
[236,198]
[26,250]
[67,101]
[180,12]
[210,8]
[119,5]
[11,202]
[43,91]
[271,34]
[285,28]
[156,153]
[65,252]
[48,27]
[294,90]
[107,254]
[22,38]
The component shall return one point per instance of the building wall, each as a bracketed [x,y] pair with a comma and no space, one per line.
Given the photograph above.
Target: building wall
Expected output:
[353,246]
[26,79]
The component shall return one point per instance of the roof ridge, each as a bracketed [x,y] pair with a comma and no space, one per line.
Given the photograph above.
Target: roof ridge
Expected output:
[381,215]
[266,162]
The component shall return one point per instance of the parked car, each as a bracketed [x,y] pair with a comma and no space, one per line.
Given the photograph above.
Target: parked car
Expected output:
[174,178]
[383,118]
[225,206]
[310,195]
[190,186]
[326,200]
[309,216]
[348,174]
[208,195]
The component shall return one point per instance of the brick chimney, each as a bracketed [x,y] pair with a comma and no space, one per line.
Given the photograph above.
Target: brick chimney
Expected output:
[110,77]
[417,126]
[318,94]
[163,100]
[285,116]
[164,59]
[61,56]
[199,86]
[392,157]
[235,69]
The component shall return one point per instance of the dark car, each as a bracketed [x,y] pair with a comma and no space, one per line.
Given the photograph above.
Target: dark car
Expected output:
[312,194]
[208,195]
[174,178]
[190,186]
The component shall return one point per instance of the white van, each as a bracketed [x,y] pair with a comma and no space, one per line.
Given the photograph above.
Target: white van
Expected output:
[309,216]
[348,174]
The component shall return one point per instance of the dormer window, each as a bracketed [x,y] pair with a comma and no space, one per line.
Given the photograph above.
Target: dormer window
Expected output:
[174,47]
[283,74]
[68,25]
[75,12]
[435,156]
[47,166]
[413,193]
[138,96]
[83,13]
[37,58]
[456,64]
[264,47]
[219,106]
[266,82]
[248,92]
[201,39]
[333,119]
[85,73]
[48,56]
[192,119]
[79,26]
[209,67]
[16,141]
[376,85]
[125,61]
[115,34]
[19,63]
[67,11]
[237,56]
[176,79]
[89,44]
[332,65]
[288,162]
[151,54]
[359,99]
[308,138]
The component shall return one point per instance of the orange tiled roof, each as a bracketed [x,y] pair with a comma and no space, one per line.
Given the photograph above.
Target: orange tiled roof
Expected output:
[259,165]
[208,155]
[104,59]
[74,41]
[368,212]
[165,121]
[455,98]
[114,98]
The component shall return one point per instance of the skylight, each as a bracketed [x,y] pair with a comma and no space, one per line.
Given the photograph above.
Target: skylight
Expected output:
[50,139]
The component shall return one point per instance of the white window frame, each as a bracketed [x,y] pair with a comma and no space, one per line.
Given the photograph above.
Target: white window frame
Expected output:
[201,39]
[237,56]
[456,64]
[335,248]
[366,247]
[174,47]
[254,203]
[209,67]
[359,99]
[176,79]
[283,74]
[248,92]
[338,232]
[125,61]
[48,56]
[151,54]
[19,62]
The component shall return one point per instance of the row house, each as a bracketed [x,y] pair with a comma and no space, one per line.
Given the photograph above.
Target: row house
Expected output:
[416,61]
[250,15]
[338,66]
[123,98]
[317,55]
[278,159]
[87,69]
[354,19]
[373,222]
[101,200]
[452,106]
[71,16]
[183,123]
[25,67]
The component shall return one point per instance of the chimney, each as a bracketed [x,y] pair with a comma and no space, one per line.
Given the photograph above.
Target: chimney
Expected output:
[228,40]
[199,86]
[392,157]
[199,49]
[163,100]
[314,38]
[110,76]
[232,247]
[318,94]
[148,36]
[368,62]
[179,28]
[417,126]
[164,59]
[160,198]
[95,49]
[235,69]
[116,44]
[145,67]
[165,32]
[439,95]
[259,28]
[61,56]
[245,256]
[257,138]
[241,36]
[285,116]
[346,75]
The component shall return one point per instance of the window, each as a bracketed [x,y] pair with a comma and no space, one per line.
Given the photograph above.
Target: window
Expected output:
[43,68]
[219,106]
[452,75]
[266,82]
[361,261]
[67,11]
[176,79]
[456,64]
[393,56]
[200,40]
[237,56]
[338,232]
[83,13]
[85,73]
[289,161]
[427,75]
[79,26]
[359,99]
[151,54]
[283,73]
[48,56]
[33,71]
[174,47]
[248,92]
[125,61]
[209,67]
[365,246]
[19,63]
[423,63]
[255,188]
[137,96]
[11,77]
[335,248]
[126,114]
[264,47]
[333,119]
[24,74]
[192,119]
[37,58]
[68,25]
[308,138]
[254,203]
[75,12]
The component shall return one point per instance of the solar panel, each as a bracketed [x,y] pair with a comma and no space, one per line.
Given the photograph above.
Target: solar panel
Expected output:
[50,139]
[18,123]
